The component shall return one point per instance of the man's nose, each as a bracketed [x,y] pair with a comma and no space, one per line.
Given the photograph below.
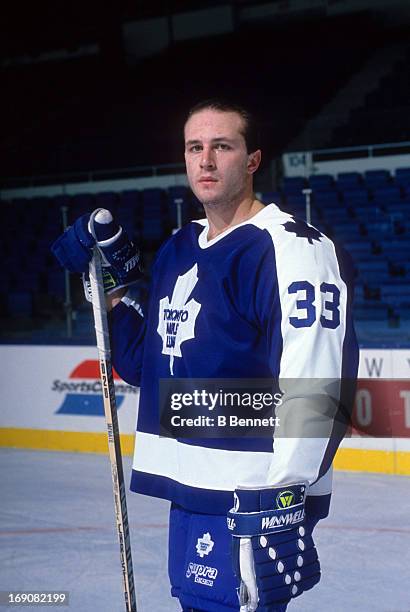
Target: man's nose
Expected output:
[207,158]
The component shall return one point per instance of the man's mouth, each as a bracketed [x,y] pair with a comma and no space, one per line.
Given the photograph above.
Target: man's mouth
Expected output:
[208,179]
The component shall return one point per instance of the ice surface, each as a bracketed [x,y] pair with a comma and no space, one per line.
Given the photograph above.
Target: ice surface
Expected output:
[57,532]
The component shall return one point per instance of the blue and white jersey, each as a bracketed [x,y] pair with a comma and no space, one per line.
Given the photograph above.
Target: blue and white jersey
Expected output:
[269,297]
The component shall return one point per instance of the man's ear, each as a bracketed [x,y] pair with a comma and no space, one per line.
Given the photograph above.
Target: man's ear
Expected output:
[254,160]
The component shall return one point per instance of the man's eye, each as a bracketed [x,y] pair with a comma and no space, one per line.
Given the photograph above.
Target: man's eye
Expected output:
[195,148]
[223,146]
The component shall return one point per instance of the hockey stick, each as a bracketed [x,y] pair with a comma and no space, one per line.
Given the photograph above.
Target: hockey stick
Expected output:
[110,408]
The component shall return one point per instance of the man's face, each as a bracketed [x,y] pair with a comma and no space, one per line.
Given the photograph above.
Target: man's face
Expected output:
[218,165]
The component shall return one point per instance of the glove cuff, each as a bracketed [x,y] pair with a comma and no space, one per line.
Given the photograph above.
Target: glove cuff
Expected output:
[268,510]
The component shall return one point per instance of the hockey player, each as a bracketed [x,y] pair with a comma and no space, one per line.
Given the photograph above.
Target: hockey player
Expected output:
[253,293]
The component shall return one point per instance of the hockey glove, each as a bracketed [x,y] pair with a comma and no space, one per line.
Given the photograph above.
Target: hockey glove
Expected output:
[273,551]
[74,248]
[111,282]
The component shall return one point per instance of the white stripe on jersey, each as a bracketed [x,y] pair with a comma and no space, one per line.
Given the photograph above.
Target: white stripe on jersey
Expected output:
[208,468]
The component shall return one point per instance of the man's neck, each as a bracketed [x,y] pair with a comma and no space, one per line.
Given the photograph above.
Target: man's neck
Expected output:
[221,217]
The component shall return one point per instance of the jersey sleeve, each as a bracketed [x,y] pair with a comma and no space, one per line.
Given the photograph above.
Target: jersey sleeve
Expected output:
[127,332]
[128,325]
[304,302]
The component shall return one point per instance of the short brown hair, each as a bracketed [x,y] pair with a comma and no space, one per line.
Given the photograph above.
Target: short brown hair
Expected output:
[250,131]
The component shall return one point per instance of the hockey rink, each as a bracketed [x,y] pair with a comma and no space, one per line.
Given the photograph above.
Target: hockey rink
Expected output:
[57,533]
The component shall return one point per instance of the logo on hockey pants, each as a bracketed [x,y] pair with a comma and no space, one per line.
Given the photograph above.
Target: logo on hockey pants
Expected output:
[204,545]
[203,574]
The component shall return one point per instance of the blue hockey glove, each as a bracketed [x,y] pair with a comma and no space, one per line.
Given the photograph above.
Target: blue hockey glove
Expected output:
[273,551]
[111,282]
[74,248]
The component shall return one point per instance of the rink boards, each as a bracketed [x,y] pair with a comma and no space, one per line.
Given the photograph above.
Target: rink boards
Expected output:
[51,400]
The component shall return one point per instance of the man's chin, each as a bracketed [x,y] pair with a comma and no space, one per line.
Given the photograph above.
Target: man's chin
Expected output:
[211,202]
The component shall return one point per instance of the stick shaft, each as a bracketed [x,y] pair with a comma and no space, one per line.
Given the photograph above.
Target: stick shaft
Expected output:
[114,448]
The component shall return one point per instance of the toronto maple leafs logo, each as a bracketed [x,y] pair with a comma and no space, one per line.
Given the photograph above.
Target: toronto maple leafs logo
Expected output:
[204,545]
[302,230]
[177,317]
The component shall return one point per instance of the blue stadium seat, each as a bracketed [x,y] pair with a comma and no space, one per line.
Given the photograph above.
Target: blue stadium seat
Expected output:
[296,200]
[359,249]
[406,192]
[106,199]
[378,229]
[359,293]
[367,213]
[56,283]
[373,272]
[374,178]
[321,182]
[355,197]
[153,203]
[397,208]
[61,200]
[293,184]
[153,195]
[371,311]
[384,195]
[373,265]
[348,180]
[324,199]
[395,288]
[178,191]
[27,281]
[402,176]
[403,312]
[336,215]
[346,231]
[129,198]
[39,209]
[267,197]
[82,203]
[152,229]
[395,248]
[20,303]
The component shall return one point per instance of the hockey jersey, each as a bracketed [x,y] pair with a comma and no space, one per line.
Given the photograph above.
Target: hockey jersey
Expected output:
[269,297]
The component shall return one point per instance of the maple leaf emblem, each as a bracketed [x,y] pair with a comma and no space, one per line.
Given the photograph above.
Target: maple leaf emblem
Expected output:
[302,230]
[177,317]
[204,545]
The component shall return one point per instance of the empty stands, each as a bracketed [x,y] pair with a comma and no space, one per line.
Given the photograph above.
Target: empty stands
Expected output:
[368,213]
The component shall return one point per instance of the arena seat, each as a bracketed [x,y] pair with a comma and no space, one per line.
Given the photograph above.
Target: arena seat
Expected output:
[294,184]
[359,248]
[386,194]
[348,180]
[323,199]
[107,199]
[273,196]
[377,178]
[20,303]
[321,182]
[355,196]
[371,311]
[56,283]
